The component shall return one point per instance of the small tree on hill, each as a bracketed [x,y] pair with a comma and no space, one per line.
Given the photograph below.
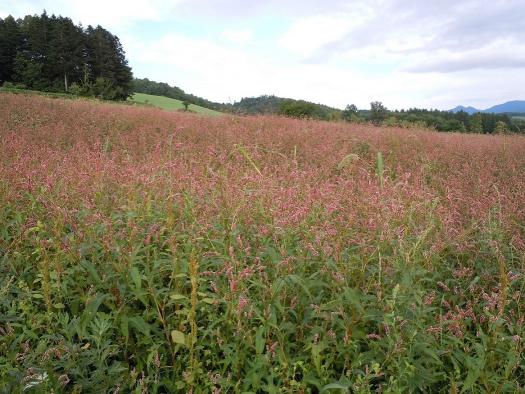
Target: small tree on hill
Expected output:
[378,112]
[349,113]
[186,104]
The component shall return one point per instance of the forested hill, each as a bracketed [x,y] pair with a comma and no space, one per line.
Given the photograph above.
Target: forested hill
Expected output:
[248,105]
[51,53]
[285,106]
[163,89]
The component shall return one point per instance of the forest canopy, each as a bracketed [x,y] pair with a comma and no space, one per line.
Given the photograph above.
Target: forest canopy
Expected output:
[51,53]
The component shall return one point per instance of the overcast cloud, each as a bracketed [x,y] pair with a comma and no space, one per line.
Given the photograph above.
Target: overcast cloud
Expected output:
[405,53]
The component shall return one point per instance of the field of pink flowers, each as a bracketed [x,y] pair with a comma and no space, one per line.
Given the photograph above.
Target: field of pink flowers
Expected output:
[149,251]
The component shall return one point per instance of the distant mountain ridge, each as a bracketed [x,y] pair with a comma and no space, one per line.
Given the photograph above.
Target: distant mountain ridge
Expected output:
[516,106]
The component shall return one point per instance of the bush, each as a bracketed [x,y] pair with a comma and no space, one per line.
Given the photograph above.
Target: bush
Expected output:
[501,128]
[12,85]
[75,89]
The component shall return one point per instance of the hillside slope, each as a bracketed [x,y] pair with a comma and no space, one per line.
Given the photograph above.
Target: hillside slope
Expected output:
[169,104]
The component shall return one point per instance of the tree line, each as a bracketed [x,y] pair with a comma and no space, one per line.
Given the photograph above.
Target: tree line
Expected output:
[51,53]
[378,114]
[487,123]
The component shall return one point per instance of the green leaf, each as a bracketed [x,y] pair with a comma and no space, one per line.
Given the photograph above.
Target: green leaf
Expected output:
[136,277]
[124,326]
[89,267]
[178,297]
[247,156]
[93,305]
[140,324]
[178,337]
[347,161]
[259,340]
[335,386]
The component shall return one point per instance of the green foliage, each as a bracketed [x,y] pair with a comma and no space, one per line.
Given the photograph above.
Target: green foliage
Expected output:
[501,128]
[448,121]
[350,113]
[476,123]
[52,53]
[283,106]
[10,41]
[378,112]
[302,109]
[120,317]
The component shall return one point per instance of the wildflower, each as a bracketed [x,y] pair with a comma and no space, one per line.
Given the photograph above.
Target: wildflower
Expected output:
[246,273]
[63,380]
[243,302]
[270,349]
[434,330]
[429,299]
[464,272]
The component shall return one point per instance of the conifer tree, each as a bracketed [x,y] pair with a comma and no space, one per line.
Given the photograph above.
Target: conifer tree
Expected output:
[52,54]
[10,43]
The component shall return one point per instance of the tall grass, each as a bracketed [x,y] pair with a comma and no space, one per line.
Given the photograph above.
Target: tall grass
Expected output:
[146,251]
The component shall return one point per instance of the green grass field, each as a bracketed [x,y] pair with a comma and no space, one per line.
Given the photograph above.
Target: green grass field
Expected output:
[169,103]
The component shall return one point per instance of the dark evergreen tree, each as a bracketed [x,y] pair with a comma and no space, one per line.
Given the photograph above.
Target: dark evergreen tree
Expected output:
[52,54]
[30,62]
[106,59]
[378,112]
[10,44]
[66,52]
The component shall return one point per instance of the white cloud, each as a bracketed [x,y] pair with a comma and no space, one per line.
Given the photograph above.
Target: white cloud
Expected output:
[237,36]
[308,34]
[221,73]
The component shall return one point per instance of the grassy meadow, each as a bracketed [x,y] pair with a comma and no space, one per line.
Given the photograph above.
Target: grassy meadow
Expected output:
[169,104]
[148,251]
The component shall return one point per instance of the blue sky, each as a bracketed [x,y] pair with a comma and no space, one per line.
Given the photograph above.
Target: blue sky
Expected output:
[405,53]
